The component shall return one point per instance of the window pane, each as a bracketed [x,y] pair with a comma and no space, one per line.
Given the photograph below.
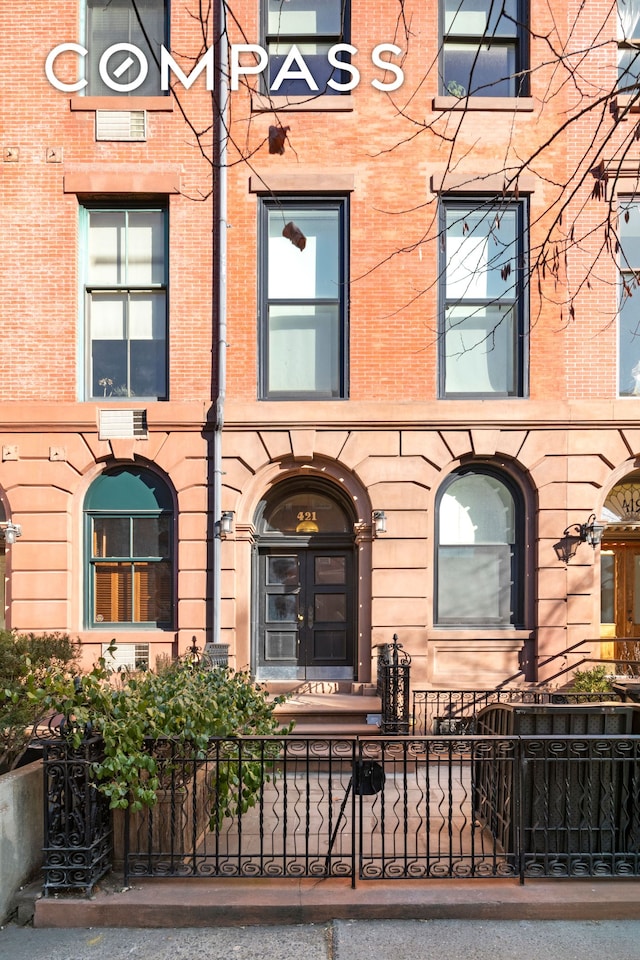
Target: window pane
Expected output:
[480,70]
[152,593]
[108,313]
[481,254]
[106,246]
[145,247]
[282,607]
[330,607]
[474,584]
[151,536]
[607,587]
[629,19]
[282,570]
[115,21]
[304,344]
[312,273]
[111,537]
[629,235]
[480,17]
[112,593]
[477,508]
[629,348]
[302,507]
[479,350]
[109,368]
[300,17]
[330,570]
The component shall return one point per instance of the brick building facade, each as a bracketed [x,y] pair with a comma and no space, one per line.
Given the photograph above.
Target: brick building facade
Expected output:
[443,358]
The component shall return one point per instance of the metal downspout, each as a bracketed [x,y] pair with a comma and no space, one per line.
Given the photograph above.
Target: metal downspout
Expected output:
[220,97]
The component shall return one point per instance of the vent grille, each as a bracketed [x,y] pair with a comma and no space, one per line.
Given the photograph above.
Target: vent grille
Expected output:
[121,125]
[126,656]
[122,424]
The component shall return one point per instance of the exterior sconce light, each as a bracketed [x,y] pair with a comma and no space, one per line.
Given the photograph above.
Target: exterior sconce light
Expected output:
[591,531]
[10,531]
[224,525]
[379,522]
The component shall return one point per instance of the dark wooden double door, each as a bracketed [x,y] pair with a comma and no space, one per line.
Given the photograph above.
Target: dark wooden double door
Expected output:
[306,627]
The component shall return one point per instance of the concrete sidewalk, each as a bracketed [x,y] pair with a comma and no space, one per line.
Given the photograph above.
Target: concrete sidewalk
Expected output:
[205,903]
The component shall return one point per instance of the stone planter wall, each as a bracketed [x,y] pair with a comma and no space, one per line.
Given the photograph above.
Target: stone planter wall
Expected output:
[21,831]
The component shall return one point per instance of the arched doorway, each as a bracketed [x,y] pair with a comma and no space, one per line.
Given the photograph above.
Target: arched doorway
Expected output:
[620,571]
[305,585]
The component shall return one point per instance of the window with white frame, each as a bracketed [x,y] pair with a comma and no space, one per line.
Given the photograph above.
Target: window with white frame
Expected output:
[483,307]
[312,27]
[484,48]
[129,529]
[142,24]
[126,302]
[303,300]
[480,550]
[628,44]
[629,314]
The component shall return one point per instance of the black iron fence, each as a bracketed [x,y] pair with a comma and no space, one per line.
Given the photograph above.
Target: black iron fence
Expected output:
[481,806]
[77,821]
[455,711]
[393,682]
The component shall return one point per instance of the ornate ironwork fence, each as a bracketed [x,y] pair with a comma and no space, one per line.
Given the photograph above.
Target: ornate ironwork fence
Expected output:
[454,711]
[559,800]
[77,821]
[394,666]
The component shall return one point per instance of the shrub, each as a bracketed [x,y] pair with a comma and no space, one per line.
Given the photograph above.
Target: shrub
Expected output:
[593,680]
[183,704]
[24,662]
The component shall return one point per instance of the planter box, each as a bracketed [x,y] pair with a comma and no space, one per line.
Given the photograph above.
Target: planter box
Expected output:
[172,829]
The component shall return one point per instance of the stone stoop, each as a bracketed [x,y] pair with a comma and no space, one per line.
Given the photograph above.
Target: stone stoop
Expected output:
[330,709]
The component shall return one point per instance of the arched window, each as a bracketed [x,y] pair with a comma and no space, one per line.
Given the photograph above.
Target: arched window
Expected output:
[129,530]
[480,541]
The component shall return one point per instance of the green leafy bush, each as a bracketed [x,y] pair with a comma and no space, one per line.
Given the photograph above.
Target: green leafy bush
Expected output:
[593,680]
[25,660]
[156,728]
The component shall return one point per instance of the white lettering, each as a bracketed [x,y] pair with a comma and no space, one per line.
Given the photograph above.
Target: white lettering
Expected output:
[237,69]
[123,67]
[377,61]
[51,59]
[332,57]
[286,73]
[167,62]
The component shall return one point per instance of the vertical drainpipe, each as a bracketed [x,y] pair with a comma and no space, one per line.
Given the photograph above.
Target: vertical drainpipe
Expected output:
[220,97]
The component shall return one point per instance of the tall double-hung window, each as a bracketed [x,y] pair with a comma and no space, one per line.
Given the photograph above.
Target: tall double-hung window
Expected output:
[629,312]
[480,550]
[628,44]
[129,536]
[312,27]
[484,48]
[483,305]
[142,24]
[126,302]
[303,302]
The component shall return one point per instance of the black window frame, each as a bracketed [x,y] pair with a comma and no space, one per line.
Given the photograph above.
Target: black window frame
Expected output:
[518,41]
[518,560]
[282,204]
[628,49]
[110,390]
[474,204]
[151,85]
[291,89]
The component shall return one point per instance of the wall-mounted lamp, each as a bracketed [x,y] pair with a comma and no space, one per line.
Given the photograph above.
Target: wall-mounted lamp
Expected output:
[10,531]
[591,531]
[379,522]
[224,526]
